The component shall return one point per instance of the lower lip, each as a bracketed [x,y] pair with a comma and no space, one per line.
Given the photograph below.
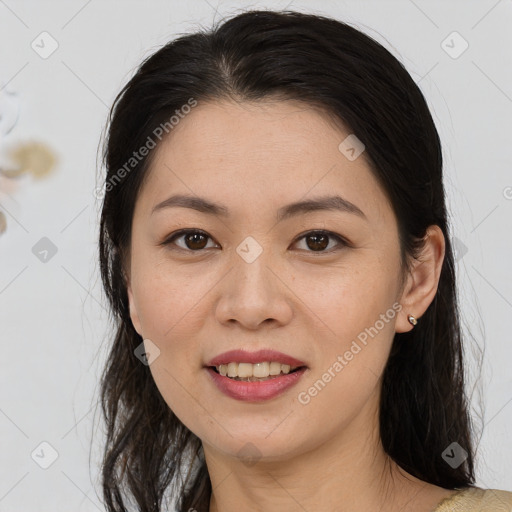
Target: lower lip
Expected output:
[255,391]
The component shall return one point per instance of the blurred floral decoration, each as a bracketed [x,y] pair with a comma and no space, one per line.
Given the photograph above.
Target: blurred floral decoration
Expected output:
[30,157]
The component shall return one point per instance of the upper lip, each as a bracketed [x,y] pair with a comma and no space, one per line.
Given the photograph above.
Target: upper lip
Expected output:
[244,356]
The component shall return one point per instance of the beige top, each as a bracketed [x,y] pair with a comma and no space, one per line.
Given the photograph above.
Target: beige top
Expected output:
[475,499]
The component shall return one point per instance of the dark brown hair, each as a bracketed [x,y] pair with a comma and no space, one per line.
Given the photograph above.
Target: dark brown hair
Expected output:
[324,62]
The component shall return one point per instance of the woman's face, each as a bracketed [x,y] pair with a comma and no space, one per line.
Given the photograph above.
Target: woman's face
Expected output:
[330,304]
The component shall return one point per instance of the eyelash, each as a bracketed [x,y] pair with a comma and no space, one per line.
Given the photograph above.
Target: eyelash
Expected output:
[178,234]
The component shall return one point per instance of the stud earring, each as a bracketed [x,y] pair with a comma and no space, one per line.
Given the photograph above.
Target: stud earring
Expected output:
[412,320]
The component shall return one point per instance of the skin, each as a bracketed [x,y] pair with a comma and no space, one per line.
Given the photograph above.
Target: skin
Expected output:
[194,304]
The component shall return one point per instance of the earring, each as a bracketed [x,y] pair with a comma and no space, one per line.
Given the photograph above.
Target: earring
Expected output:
[412,320]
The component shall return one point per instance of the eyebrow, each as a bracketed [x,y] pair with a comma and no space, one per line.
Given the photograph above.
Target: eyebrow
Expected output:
[330,203]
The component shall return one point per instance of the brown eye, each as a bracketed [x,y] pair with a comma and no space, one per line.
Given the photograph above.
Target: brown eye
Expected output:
[193,240]
[318,241]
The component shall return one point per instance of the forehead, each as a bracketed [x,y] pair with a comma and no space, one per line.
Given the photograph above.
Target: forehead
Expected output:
[264,154]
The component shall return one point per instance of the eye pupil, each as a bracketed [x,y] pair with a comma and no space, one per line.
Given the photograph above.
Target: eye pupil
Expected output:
[320,241]
[193,238]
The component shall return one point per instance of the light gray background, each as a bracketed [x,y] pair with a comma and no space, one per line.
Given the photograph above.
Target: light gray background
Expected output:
[52,320]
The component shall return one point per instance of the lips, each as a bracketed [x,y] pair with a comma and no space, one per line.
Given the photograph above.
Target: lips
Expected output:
[244,356]
[256,391]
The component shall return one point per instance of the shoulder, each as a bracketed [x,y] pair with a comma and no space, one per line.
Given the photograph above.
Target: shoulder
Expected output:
[469,499]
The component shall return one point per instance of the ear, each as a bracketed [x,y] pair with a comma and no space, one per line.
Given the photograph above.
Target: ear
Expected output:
[133,309]
[422,282]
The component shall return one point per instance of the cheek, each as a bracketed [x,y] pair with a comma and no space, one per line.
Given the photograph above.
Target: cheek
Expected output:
[171,300]
[172,315]
[354,320]
[346,301]
[169,306]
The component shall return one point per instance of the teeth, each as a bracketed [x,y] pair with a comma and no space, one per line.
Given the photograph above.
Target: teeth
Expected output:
[259,370]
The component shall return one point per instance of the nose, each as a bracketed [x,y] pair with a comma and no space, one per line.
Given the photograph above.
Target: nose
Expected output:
[253,294]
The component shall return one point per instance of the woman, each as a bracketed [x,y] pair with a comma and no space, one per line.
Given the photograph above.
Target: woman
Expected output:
[275,249]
